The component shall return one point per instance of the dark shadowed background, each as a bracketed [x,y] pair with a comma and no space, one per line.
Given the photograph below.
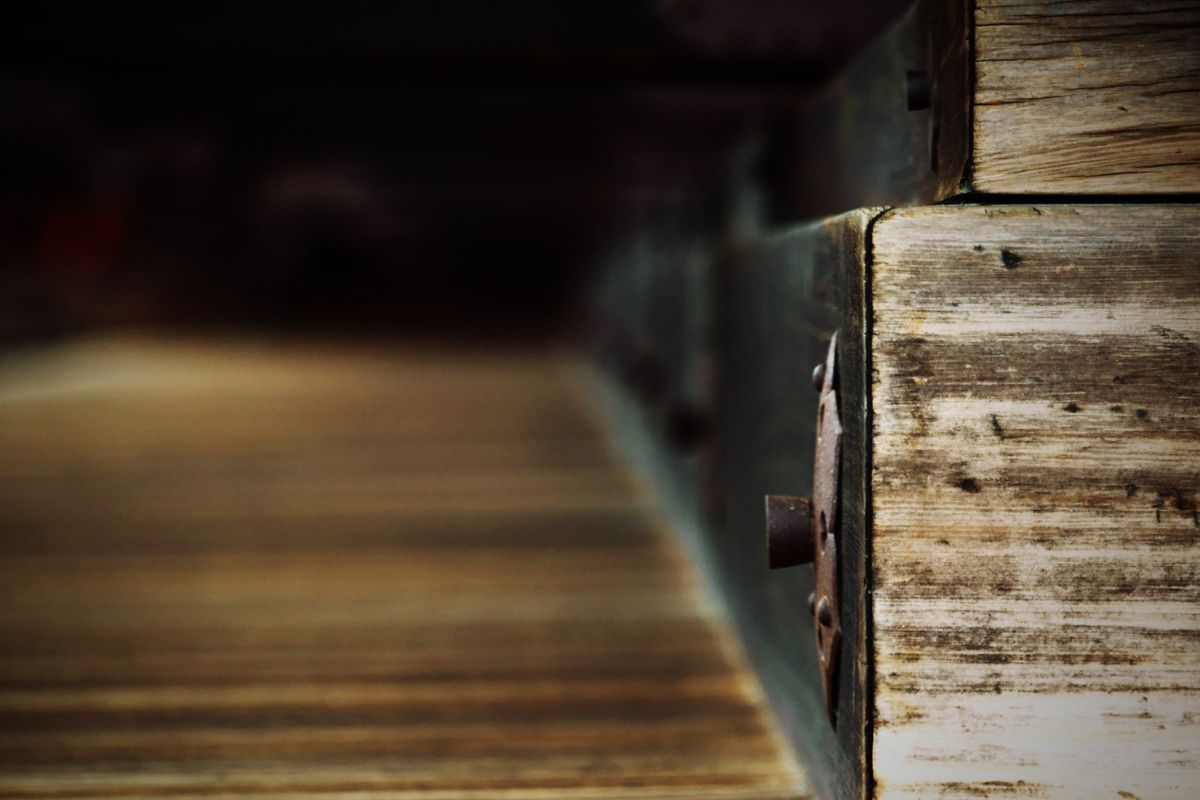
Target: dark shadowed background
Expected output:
[446,167]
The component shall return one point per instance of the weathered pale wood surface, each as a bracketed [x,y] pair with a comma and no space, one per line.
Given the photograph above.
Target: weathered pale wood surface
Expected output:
[1094,96]
[1036,477]
[304,571]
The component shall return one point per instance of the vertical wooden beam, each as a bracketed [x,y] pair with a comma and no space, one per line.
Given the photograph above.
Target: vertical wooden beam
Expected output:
[1036,481]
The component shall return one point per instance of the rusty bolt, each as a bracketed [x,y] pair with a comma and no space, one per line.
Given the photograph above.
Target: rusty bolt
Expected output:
[789,531]
[824,611]
[818,376]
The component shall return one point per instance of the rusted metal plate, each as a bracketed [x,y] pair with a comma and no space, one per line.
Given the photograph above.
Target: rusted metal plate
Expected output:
[802,531]
[826,474]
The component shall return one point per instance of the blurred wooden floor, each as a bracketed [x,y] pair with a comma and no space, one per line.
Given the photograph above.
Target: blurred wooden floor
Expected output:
[257,570]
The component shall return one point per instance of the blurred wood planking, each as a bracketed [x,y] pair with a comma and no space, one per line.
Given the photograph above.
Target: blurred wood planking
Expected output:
[1089,97]
[1036,477]
[236,569]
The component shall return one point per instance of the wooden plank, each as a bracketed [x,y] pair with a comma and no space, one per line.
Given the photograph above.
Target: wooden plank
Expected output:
[860,142]
[1036,475]
[1090,97]
[783,298]
[282,571]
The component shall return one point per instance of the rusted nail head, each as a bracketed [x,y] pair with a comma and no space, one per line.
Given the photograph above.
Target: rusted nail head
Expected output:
[824,612]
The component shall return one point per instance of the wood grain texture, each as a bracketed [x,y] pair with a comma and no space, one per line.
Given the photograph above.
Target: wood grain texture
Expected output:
[272,571]
[1036,476]
[1094,96]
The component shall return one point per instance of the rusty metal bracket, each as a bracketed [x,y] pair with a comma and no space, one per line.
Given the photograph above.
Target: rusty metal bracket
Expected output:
[826,472]
[800,531]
